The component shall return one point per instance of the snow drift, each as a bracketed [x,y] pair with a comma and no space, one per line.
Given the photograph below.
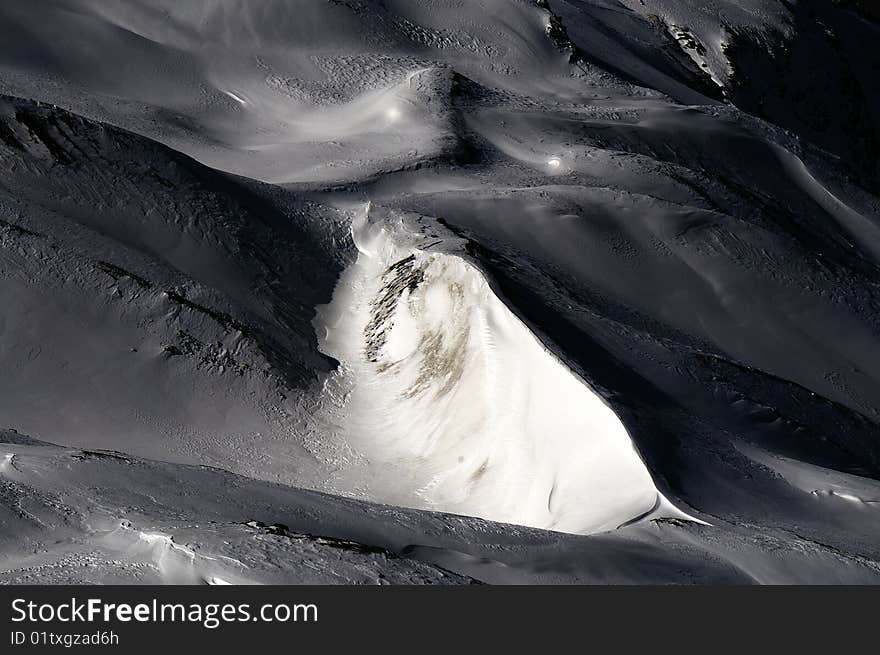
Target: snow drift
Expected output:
[449,402]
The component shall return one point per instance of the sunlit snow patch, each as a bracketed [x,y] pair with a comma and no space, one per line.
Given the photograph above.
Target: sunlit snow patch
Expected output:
[448,402]
[695,49]
[240,100]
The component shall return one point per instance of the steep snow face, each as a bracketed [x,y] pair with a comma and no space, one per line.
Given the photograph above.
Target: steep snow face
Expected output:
[449,402]
[702,29]
[799,65]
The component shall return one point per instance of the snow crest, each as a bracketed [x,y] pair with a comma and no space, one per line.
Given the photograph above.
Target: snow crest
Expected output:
[450,403]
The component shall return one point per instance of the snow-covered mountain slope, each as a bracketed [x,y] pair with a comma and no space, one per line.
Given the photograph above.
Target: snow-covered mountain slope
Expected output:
[800,64]
[155,314]
[453,404]
[574,264]
[279,91]
[153,304]
[150,522]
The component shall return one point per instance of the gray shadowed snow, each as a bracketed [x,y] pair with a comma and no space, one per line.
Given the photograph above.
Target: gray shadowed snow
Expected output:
[607,268]
[150,522]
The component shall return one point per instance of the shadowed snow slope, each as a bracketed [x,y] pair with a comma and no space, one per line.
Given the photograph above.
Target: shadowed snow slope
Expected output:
[548,262]
[151,522]
[150,303]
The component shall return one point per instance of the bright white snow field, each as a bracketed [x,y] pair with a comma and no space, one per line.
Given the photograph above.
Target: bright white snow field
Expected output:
[445,400]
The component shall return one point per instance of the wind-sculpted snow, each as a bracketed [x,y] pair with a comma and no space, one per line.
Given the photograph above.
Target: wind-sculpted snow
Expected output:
[127,267]
[279,91]
[448,401]
[153,522]
[581,265]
